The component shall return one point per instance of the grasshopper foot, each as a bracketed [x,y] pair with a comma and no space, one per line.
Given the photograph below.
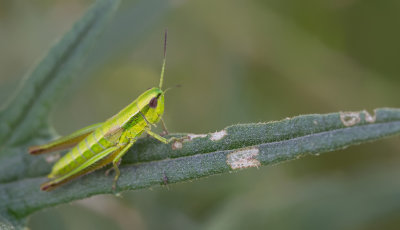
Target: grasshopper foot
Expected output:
[108,171]
[164,133]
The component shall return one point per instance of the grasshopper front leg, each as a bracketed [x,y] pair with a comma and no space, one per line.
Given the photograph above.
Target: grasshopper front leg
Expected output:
[160,138]
[164,127]
[116,161]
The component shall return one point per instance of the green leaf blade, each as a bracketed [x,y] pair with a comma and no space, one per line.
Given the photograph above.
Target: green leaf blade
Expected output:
[27,112]
[24,119]
[243,146]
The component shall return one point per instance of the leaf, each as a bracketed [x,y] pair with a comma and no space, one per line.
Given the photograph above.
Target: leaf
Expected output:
[152,163]
[25,119]
[28,110]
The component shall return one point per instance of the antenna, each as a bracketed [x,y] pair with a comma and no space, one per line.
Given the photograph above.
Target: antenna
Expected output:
[176,86]
[165,57]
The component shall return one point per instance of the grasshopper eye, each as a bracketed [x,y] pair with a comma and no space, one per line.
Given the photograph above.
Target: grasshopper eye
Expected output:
[153,102]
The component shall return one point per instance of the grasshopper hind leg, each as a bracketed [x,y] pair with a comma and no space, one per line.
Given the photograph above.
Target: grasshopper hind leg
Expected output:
[64,142]
[96,162]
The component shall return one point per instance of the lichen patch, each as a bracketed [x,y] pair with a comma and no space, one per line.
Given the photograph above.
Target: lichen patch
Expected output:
[243,158]
[218,135]
[350,118]
[369,118]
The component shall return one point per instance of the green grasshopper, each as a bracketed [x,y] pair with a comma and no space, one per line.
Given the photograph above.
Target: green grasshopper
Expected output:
[100,144]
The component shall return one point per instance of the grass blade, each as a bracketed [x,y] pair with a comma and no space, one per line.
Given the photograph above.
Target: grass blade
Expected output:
[25,117]
[151,163]
[27,112]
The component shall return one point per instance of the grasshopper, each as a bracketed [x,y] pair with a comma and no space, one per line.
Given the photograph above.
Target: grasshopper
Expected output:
[100,144]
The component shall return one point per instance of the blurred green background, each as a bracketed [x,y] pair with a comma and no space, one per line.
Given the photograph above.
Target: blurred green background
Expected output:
[238,62]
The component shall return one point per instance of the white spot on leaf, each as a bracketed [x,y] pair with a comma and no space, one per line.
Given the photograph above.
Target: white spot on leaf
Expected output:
[191,136]
[350,118]
[177,145]
[243,158]
[218,135]
[369,118]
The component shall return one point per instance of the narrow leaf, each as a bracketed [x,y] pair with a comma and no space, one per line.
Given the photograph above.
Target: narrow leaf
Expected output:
[236,147]
[25,117]
[27,112]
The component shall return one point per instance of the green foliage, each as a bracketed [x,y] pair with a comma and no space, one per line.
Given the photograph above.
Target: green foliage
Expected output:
[25,122]
[25,119]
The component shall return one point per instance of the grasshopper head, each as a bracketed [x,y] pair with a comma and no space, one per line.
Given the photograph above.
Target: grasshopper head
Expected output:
[156,106]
